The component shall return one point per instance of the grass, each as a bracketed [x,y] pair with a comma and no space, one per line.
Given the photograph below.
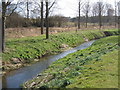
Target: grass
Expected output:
[93,67]
[102,74]
[27,49]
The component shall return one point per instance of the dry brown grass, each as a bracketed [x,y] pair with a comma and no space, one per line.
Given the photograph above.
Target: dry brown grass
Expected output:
[33,31]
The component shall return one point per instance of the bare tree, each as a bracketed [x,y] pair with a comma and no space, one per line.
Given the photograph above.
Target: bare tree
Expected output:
[5,8]
[115,13]
[0,27]
[94,13]
[47,23]
[27,9]
[94,9]
[79,12]
[109,12]
[38,12]
[40,7]
[86,10]
[48,8]
[42,19]
[100,8]
[100,4]
[118,4]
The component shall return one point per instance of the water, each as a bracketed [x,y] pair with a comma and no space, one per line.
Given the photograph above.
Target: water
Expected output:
[15,78]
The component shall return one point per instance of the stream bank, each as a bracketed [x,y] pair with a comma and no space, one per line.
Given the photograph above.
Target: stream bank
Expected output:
[17,77]
[93,67]
[26,51]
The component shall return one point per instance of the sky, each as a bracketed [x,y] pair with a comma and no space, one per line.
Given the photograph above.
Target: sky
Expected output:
[69,8]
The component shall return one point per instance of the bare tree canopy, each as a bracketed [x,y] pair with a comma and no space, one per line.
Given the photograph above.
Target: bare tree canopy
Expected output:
[86,10]
[7,9]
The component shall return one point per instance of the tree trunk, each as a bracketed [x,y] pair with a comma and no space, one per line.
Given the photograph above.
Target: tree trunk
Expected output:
[0,34]
[115,15]
[118,23]
[86,20]
[27,10]
[100,21]
[3,33]
[3,25]
[47,23]
[100,17]
[42,21]
[79,17]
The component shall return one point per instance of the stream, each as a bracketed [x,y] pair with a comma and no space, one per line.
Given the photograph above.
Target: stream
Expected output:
[15,78]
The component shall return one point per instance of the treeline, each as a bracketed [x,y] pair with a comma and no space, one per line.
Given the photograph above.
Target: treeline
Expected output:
[24,15]
[106,20]
[16,20]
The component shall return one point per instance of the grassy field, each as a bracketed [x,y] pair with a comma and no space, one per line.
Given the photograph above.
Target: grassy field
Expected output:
[26,50]
[93,67]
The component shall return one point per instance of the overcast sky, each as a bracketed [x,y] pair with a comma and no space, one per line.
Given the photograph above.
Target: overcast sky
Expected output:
[69,7]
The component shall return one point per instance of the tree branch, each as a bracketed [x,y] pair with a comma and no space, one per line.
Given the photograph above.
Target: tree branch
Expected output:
[52,4]
[12,11]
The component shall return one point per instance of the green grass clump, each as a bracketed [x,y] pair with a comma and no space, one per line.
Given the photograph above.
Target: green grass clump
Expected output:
[93,67]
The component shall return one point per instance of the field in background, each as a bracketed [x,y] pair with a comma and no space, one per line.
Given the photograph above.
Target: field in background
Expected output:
[34,31]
